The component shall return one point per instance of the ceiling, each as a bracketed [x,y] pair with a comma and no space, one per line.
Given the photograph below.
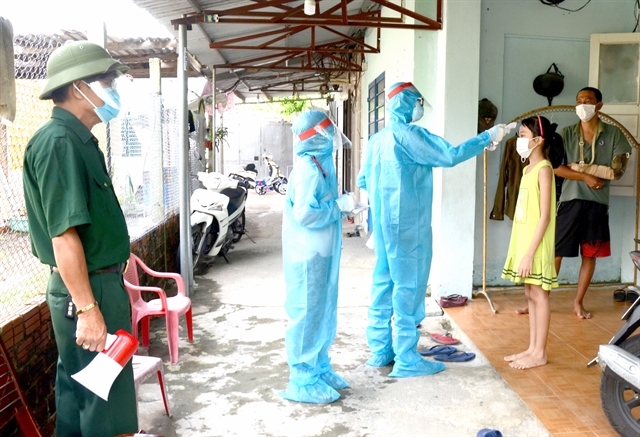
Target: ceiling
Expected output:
[265,48]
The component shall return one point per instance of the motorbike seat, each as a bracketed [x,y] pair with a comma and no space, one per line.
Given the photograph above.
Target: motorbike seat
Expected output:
[236,197]
[234,193]
[250,167]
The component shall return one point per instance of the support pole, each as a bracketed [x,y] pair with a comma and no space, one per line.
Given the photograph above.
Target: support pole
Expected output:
[183,161]
[221,144]
[157,178]
[484,236]
[214,125]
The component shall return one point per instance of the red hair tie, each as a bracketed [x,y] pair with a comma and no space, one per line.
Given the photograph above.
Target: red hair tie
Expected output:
[541,130]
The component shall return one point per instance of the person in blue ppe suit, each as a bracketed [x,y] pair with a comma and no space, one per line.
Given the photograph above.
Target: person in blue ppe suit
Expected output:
[397,175]
[311,245]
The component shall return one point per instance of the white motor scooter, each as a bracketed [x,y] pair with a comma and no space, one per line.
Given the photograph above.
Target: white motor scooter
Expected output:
[620,359]
[217,215]
[248,173]
[275,181]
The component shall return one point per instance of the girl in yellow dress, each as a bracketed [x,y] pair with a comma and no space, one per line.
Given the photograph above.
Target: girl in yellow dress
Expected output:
[531,250]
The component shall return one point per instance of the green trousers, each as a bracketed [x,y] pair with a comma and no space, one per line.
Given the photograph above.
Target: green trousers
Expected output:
[79,411]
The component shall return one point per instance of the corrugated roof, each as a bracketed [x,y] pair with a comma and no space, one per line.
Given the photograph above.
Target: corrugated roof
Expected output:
[32,51]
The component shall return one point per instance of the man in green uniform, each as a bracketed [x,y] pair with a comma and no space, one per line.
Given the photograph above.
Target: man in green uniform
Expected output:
[77,227]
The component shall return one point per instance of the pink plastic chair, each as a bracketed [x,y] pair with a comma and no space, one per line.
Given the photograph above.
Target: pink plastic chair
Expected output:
[143,368]
[169,307]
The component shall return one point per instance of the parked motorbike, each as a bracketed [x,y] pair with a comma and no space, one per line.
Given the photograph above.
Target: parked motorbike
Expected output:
[275,180]
[217,215]
[620,380]
[248,174]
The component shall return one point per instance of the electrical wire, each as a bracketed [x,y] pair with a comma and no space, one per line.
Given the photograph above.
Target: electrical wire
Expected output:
[555,4]
[636,9]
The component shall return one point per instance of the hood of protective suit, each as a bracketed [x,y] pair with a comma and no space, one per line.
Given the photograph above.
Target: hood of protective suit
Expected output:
[400,106]
[316,145]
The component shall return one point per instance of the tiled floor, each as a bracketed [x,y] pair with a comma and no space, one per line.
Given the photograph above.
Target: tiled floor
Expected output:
[564,394]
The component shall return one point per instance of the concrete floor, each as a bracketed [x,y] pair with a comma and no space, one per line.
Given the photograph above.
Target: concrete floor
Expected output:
[227,381]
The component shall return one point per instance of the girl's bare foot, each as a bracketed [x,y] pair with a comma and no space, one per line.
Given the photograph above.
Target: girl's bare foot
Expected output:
[516,357]
[580,311]
[521,311]
[529,362]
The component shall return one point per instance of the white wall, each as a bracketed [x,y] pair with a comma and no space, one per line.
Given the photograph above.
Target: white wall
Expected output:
[520,40]
[459,49]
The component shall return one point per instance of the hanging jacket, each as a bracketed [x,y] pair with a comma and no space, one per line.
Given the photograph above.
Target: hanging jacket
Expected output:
[508,182]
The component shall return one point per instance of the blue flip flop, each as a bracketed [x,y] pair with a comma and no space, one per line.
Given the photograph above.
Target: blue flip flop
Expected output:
[458,356]
[486,432]
[437,350]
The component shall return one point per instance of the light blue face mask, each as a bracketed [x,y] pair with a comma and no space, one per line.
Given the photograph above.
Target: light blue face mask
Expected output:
[109,96]
[418,111]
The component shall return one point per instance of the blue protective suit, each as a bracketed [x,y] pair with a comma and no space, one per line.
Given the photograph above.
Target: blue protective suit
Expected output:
[397,174]
[311,246]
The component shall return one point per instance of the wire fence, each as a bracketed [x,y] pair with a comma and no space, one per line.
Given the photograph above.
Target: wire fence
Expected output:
[141,151]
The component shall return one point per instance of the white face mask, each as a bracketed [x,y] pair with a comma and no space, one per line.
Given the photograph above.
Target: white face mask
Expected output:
[586,112]
[522,147]
[418,112]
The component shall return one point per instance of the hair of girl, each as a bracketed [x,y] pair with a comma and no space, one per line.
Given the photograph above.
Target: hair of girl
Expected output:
[552,146]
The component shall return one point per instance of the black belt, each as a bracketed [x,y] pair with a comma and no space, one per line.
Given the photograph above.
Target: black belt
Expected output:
[116,268]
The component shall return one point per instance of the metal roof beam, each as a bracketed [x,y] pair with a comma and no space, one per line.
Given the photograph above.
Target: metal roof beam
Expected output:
[319,49]
[252,15]
[226,42]
[307,81]
[353,67]
[301,68]
[382,22]
[251,62]
[353,40]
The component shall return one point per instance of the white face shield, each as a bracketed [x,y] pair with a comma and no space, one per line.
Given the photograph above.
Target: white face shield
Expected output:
[421,106]
[330,131]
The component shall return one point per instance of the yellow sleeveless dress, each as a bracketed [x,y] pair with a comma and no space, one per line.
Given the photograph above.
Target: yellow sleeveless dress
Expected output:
[525,220]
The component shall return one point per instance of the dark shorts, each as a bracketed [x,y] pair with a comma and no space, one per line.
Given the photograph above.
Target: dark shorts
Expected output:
[583,225]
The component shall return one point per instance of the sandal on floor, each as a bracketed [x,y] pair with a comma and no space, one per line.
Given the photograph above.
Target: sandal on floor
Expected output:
[455,357]
[619,295]
[632,296]
[454,300]
[444,339]
[437,350]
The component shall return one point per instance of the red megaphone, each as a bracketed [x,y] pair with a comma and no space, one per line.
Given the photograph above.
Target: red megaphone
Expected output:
[100,373]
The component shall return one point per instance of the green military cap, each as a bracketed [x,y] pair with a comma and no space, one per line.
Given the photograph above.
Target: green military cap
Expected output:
[77,60]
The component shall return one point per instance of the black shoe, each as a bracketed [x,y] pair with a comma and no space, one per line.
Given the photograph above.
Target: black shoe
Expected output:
[632,296]
[620,295]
